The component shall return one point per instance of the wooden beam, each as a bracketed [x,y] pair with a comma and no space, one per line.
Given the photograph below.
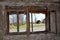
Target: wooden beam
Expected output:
[17,21]
[27,22]
[32,21]
[7,20]
[33,8]
[48,21]
[39,11]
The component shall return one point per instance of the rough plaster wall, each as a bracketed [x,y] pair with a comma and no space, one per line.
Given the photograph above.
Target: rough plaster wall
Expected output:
[58,23]
[40,36]
[31,0]
[1,23]
[58,19]
[53,6]
[57,8]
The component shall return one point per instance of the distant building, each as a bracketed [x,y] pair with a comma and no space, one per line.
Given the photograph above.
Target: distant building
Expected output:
[38,21]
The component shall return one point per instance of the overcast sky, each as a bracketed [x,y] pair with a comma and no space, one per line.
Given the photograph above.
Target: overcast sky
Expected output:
[39,16]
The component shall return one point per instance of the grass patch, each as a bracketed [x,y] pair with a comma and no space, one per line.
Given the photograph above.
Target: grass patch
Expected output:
[24,26]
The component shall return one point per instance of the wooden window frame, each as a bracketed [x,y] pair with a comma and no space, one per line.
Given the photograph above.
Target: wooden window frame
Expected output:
[27,21]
